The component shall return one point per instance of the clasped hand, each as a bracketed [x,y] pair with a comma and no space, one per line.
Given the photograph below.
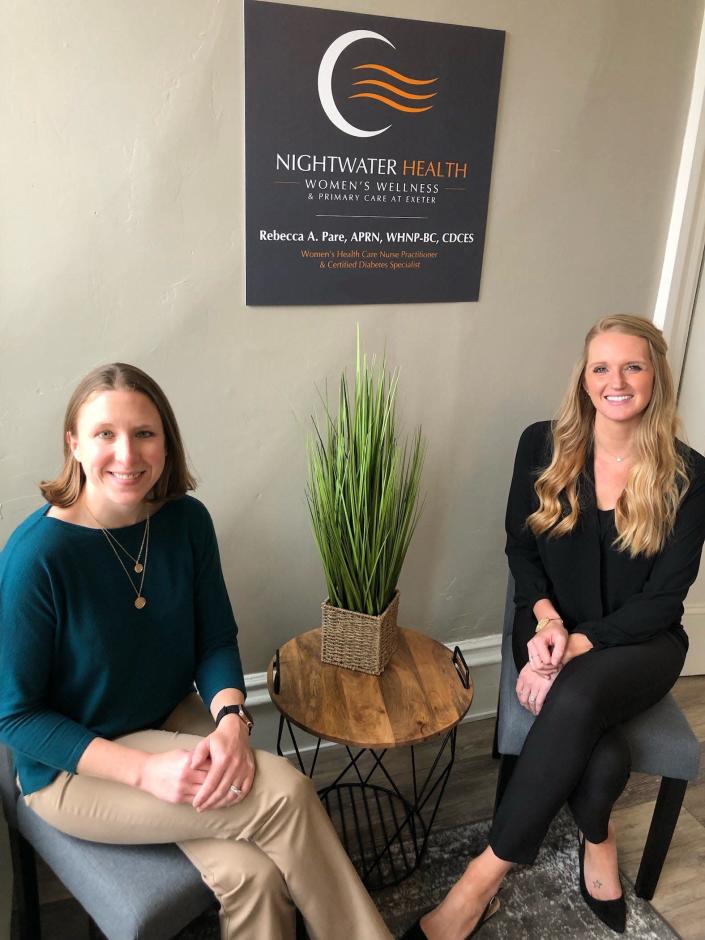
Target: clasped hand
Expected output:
[547,648]
[204,776]
[532,689]
[546,651]
[549,651]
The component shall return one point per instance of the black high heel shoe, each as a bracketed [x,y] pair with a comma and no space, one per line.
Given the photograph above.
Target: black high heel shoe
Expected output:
[612,913]
[415,932]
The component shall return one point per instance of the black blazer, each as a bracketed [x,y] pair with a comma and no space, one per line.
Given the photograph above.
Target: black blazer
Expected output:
[645,595]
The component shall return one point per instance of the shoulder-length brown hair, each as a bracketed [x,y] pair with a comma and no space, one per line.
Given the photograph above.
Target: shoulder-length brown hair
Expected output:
[176,479]
[646,509]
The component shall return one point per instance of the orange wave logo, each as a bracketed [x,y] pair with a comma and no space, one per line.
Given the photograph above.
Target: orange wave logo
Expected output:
[407,95]
[412,102]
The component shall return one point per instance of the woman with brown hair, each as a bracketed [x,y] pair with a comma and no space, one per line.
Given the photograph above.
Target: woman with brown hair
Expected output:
[605,527]
[112,606]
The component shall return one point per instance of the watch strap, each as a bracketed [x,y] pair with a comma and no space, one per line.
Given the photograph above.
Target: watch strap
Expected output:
[241,712]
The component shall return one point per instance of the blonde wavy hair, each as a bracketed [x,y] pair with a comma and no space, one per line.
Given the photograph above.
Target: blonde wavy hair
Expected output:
[646,510]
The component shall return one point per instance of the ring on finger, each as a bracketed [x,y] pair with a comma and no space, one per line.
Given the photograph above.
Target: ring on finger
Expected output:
[236,790]
[532,699]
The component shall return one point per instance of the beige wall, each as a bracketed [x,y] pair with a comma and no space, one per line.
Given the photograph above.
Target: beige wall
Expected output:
[121,196]
[691,398]
[691,405]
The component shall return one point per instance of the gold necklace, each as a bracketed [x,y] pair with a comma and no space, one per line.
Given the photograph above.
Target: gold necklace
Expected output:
[138,566]
[614,456]
[140,600]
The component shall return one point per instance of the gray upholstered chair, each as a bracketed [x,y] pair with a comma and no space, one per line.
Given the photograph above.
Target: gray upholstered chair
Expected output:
[661,743]
[146,891]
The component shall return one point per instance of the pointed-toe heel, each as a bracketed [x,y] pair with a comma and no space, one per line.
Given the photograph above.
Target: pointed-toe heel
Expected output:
[613,914]
[415,932]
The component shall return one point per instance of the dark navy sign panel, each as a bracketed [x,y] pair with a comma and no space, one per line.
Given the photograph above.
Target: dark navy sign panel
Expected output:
[369,146]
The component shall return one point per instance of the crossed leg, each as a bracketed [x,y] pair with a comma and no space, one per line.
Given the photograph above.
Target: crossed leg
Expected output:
[279,841]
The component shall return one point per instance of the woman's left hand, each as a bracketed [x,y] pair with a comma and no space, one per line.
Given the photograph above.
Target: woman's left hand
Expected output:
[229,761]
[578,644]
[532,689]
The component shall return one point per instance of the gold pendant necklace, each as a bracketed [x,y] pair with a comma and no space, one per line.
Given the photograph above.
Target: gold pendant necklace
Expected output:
[615,457]
[138,566]
[619,459]
[140,600]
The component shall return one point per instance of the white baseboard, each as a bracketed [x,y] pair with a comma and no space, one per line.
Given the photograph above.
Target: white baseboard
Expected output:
[694,623]
[482,654]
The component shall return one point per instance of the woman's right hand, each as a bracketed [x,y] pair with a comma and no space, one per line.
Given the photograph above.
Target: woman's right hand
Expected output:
[170,777]
[546,649]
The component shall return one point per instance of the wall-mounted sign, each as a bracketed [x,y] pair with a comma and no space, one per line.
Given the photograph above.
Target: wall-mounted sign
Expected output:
[369,152]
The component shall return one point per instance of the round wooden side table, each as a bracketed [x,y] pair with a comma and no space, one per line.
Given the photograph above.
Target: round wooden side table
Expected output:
[423,694]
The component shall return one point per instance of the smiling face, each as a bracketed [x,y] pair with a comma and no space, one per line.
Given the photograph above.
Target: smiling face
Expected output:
[619,377]
[119,442]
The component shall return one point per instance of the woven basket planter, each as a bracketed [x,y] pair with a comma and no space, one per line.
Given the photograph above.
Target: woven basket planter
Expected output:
[359,641]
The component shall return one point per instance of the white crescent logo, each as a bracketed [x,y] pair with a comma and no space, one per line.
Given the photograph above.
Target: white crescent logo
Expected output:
[325,75]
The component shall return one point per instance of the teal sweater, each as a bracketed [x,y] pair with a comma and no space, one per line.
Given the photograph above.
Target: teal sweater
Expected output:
[79,661]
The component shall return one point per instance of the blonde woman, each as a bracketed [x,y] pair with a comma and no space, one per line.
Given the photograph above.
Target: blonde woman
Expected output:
[605,527]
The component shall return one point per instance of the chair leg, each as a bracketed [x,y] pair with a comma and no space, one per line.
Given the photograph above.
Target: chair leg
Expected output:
[663,823]
[506,768]
[28,894]
[495,740]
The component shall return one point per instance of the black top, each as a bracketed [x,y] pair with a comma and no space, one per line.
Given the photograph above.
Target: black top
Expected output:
[608,533]
[606,594]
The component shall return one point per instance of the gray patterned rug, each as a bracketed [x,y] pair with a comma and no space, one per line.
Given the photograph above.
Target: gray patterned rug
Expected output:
[541,902]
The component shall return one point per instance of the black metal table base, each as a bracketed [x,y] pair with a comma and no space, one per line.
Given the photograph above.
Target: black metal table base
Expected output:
[384,830]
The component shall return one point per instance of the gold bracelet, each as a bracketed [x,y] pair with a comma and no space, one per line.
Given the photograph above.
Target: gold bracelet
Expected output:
[544,622]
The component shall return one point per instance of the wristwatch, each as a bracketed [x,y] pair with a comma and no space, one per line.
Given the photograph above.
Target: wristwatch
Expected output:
[544,622]
[242,713]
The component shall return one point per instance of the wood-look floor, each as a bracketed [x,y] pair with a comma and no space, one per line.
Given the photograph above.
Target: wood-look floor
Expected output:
[680,897]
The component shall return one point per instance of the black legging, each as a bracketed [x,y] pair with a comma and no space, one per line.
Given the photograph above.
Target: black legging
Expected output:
[574,752]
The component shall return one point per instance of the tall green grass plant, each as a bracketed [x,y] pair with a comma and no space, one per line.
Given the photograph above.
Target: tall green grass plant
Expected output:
[363,489]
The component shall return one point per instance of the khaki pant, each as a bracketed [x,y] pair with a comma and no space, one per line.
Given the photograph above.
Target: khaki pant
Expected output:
[275,847]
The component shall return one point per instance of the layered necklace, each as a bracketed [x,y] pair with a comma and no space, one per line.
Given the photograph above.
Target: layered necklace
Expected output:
[139,566]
